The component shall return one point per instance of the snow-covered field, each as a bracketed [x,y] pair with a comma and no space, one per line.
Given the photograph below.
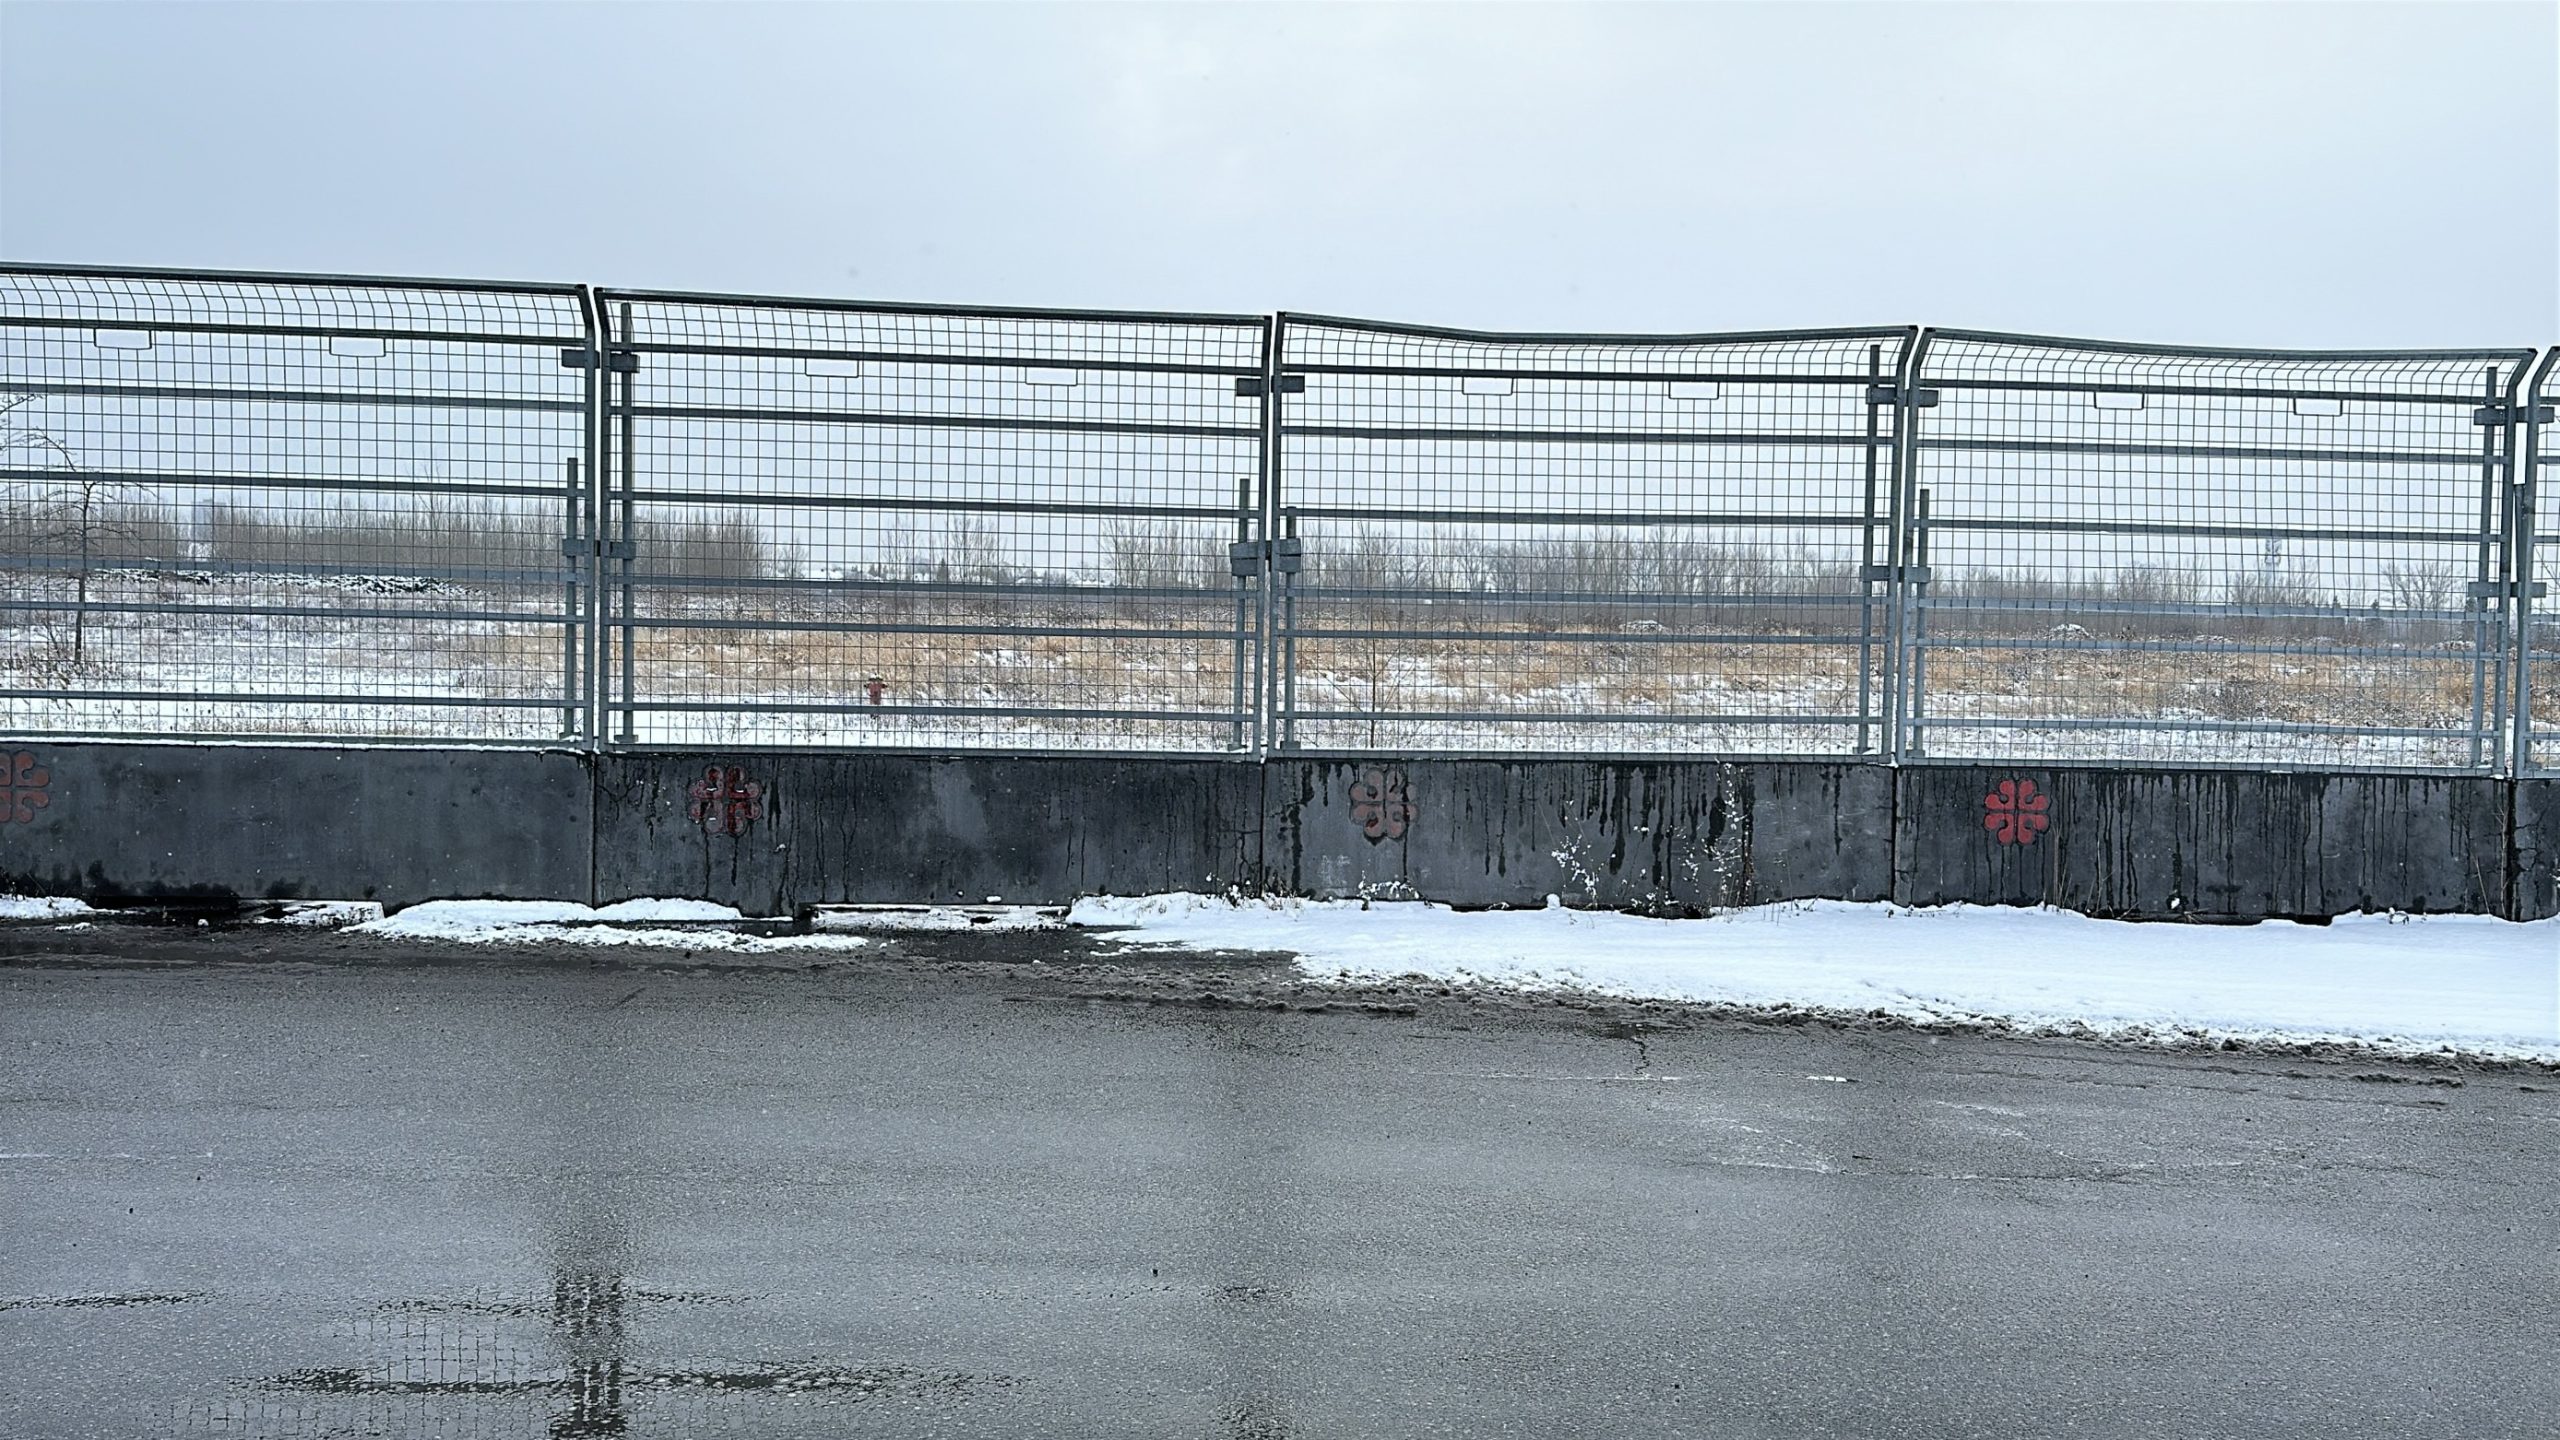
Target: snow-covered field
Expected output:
[2391,984]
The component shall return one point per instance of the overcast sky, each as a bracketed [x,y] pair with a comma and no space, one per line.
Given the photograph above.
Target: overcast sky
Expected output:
[2271,174]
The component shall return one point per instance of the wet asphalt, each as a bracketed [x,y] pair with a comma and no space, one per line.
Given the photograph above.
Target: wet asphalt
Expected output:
[268,1185]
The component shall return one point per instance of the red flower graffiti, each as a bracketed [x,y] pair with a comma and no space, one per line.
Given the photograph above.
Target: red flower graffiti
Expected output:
[22,790]
[725,801]
[1380,805]
[2015,812]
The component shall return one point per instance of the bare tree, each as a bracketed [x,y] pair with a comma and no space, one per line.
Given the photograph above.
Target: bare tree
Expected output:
[68,517]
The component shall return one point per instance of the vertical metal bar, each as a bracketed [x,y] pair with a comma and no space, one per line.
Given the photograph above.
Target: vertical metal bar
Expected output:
[590,567]
[630,539]
[1288,640]
[1266,676]
[1919,641]
[1867,556]
[572,557]
[2524,493]
[2484,573]
[1904,456]
[1244,595]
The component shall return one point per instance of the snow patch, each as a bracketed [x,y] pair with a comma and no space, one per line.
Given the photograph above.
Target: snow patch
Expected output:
[323,914]
[629,922]
[896,918]
[40,907]
[2399,984]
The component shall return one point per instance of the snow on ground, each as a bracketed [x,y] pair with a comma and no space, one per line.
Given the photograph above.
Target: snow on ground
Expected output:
[631,922]
[2395,984]
[40,907]
[896,919]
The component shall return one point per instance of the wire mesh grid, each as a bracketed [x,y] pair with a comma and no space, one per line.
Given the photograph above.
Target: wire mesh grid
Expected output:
[931,527]
[2225,558]
[2537,706]
[277,506]
[1630,544]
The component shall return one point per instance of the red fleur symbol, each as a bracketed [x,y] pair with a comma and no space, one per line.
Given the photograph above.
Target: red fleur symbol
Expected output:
[1380,805]
[725,801]
[2014,812]
[22,789]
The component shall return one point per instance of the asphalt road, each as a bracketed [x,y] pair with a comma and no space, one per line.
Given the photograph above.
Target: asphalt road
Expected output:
[276,1186]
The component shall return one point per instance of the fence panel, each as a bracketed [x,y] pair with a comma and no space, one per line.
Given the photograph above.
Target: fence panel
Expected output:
[871,525]
[2537,511]
[2208,557]
[1630,544]
[288,506]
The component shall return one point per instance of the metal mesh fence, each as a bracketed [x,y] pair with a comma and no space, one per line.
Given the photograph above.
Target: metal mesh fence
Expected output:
[911,526]
[407,509]
[287,506]
[2206,557]
[2538,558]
[1528,543]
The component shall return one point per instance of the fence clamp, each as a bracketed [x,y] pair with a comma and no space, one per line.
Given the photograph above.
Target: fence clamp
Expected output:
[2512,414]
[1916,397]
[1248,558]
[592,548]
[2504,590]
[579,357]
[1289,385]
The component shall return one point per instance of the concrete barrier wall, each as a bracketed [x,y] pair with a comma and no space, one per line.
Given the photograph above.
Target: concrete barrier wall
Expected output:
[2222,843]
[1658,836]
[2536,867]
[218,823]
[770,833]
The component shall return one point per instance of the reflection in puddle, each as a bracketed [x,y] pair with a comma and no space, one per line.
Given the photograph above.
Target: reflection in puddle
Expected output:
[562,1366]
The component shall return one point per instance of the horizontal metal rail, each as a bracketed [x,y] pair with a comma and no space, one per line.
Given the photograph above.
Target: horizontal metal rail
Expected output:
[1575,637]
[291,612]
[2290,454]
[264,699]
[251,394]
[773,415]
[1588,717]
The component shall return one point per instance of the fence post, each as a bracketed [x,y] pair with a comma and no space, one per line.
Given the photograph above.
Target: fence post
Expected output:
[1867,572]
[588,566]
[2489,581]
[1279,659]
[1902,637]
[620,360]
[2522,499]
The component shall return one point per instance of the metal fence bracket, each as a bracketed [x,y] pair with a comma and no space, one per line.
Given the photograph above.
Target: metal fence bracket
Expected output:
[2512,415]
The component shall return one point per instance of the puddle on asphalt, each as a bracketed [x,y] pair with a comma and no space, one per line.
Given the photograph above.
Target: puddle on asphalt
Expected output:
[572,1361]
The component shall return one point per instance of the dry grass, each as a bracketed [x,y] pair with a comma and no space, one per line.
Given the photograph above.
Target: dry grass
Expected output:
[953,656]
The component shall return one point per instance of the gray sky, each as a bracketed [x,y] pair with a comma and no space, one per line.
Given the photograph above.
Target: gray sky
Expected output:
[2270,174]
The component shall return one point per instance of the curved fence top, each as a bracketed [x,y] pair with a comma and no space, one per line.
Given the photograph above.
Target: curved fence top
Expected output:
[1989,358]
[1318,344]
[676,323]
[185,300]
